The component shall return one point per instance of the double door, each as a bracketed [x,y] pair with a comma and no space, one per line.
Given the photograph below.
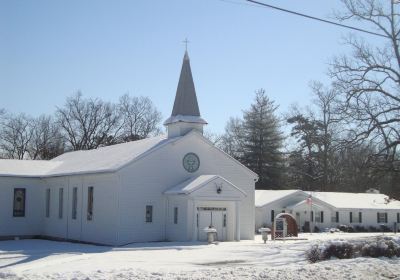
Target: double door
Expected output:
[212,217]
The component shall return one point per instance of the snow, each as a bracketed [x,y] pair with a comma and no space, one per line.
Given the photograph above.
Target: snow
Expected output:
[41,259]
[104,159]
[357,200]
[264,197]
[339,200]
[196,183]
[26,168]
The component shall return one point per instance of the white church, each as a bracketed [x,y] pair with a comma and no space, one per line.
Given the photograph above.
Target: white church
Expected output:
[166,188]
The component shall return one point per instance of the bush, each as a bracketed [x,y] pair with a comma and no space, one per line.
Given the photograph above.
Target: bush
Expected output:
[381,248]
[373,229]
[342,228]
[314,254]
[385,228]
[360,229]
[350,229]
[340,250]
[316,229]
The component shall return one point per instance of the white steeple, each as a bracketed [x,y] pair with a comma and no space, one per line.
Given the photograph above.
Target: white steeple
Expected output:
[185,114]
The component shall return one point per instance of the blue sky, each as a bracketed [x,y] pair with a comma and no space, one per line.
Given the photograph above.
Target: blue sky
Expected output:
[51,49]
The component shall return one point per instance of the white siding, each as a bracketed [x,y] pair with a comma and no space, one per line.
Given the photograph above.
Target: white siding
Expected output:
[143,182]
[32,223]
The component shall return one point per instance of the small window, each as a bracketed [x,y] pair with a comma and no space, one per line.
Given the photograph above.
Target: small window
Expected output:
[60,202]
[74,202]
[149,213]
[19,202]
[382,217]
[47,203]
[224,222]
[90,204]
[272,215]
[175,215]
[317,217]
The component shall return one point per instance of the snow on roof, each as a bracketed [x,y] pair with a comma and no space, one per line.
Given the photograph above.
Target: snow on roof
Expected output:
[335,199]
[263,197]
[104,159]
[193,184]
[357,200]
[26,168]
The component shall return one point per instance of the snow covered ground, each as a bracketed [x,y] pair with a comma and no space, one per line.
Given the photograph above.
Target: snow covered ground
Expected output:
[40,259]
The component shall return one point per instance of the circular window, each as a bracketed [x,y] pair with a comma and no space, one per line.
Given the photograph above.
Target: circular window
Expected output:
[191,162]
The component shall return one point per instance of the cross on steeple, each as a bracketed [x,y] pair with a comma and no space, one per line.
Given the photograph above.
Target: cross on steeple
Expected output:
[186,42]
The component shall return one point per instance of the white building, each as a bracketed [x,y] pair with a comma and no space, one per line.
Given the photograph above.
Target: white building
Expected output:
[327,209]
[162,188]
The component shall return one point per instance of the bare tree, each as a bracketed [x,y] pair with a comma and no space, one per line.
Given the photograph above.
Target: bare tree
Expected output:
[15,135]
[369,78]
[88,123]
[140,118]
[47,141]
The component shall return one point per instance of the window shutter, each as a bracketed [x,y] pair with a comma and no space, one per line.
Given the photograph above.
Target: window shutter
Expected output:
[377,217]
[386,219]
[359,217]
[272,215]
[398,217]
[351,217]
[337,216]
[322,216]
[312,216]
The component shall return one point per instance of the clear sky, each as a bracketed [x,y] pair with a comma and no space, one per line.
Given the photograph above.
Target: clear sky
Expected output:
[51,49]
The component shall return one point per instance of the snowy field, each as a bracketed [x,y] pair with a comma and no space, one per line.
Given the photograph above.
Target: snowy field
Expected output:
[40,259]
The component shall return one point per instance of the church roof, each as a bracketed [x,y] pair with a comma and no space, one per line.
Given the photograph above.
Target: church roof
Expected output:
[104,159]
[191,185]
[186,108]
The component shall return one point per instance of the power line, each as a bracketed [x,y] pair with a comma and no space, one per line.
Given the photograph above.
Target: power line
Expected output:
[316,18]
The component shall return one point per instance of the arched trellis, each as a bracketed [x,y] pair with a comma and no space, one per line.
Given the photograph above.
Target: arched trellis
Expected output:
[290,226]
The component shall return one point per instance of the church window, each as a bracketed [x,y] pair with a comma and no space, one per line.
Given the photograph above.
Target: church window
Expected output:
[149,213]
[224,222]
[60,202]
[175,215]
[47,203]
[74,202]
[19,202]
[90,204]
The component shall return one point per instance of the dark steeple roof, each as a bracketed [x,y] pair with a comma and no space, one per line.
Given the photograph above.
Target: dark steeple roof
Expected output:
[186,108]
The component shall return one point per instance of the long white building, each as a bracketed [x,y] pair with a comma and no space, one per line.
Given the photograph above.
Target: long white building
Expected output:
[327,209]
[163,188]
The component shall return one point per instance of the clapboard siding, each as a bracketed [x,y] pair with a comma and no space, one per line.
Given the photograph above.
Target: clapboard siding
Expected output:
[32,223]
[143,182]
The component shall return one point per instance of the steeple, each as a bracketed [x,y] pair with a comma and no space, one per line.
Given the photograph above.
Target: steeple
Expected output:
[185,113]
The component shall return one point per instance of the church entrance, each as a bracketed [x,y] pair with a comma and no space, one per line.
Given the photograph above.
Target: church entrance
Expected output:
[212,216]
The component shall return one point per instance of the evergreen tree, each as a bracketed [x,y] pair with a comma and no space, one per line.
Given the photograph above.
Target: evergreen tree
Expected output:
[261,142]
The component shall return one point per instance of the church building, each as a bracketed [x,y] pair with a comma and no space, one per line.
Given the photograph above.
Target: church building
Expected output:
[165,188]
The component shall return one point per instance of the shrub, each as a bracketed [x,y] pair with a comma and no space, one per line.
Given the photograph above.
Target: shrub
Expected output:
[316,229]
[339,249]
[350,229]
[373,229]
[360,229]
[314,254]
[381,248]
[342,228]
[385,228]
